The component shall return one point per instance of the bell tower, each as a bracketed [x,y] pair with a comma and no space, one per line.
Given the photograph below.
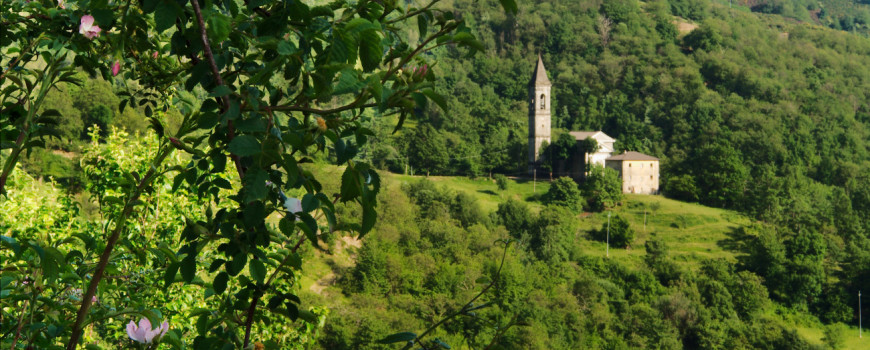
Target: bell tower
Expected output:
[539,112]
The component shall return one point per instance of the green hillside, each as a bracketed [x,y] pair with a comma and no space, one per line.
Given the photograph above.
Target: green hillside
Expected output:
[698,239]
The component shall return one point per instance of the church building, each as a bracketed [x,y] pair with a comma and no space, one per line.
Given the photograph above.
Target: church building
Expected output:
[639,172]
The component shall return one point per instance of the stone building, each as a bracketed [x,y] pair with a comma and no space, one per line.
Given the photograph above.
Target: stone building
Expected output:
[639,172]
[539,113]
[605,145]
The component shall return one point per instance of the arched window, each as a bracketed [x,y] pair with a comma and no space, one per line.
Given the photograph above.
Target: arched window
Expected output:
[543,102]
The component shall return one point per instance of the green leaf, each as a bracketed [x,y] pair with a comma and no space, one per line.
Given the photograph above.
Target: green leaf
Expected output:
[237,264]
[222,183]
[11,243]
[255,185]
[102,17]
[437,98]
[165,15]
[169,277]
[422,24]
[359,24]
[218,27]
[244,145]
[308,226]
[339,47]
[220,91]
[370,216]
[370,50]
[402,117]
[309,202]
[257,270]
[398,337]
[286,225]
[483,280]
[220,282]
[349,185]
[188,268]
[348,82]
[286,48]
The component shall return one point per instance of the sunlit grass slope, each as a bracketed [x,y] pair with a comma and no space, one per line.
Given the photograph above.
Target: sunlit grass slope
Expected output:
[693,233]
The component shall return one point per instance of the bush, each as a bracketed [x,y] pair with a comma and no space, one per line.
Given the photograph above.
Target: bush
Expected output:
[564,192]
[621,233]
[501,181]
[682,188]
[466,210]
[552,235]
[602,189]
[515,216]
[835,335]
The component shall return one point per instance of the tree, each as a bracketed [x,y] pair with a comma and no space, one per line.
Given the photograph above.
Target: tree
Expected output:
[559,154]
[427,150]
[704,38]
[263,86]
[602,188]
[564,192]
[552,234]
[656,258]
[620,232]
[501,181]
[682,187]
[515,216]
[721,175]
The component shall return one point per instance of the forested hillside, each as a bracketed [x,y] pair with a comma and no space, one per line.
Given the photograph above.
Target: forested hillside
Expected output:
[748,111]
[242,203]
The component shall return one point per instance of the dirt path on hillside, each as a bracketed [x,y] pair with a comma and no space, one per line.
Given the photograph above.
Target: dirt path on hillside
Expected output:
[339,259]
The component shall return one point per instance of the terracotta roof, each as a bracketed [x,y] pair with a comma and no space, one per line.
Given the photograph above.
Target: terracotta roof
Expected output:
[632,156]
[582,135]
[540,75]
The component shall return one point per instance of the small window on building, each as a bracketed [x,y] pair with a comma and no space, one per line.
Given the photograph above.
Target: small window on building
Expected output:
[543,102]
[650,177]
[629,165]
[650,165]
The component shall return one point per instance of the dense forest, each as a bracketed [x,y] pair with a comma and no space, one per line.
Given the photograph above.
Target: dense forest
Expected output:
[760,108]
[748,111]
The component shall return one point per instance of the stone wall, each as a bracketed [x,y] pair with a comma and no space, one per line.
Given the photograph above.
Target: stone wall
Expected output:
[638,176]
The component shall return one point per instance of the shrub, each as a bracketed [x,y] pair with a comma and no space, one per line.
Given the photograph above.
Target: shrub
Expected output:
[621,233]
[683,188]
[602,189]
[515,216]
[552,234]
[501,181]
[564,192]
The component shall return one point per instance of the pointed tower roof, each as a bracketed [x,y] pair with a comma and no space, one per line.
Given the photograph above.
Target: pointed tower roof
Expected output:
[540,75]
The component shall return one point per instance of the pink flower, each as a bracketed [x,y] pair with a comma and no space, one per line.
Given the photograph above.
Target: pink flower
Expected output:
[154,55]
[87,27]
[293,205]
[61,4]
[116,68]
[143,333]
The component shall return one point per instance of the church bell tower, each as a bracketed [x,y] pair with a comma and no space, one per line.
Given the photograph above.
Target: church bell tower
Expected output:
[539,113]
